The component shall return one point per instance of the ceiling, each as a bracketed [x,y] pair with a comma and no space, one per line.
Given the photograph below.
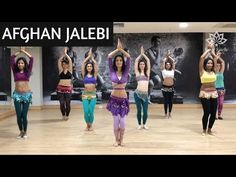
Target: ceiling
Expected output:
[168,27]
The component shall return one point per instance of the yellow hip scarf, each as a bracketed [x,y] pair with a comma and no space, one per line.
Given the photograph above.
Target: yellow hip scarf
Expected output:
[88,95]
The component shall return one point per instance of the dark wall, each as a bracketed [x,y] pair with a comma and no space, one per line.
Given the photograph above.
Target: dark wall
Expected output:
[5,70]
[50,72]
[229,55]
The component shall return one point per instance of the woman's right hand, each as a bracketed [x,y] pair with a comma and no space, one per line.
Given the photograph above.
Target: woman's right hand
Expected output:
[90,54]
[168,53]
[218,54]
[210,45]
[119,45]
[22,49]
[142,50]
[65,50]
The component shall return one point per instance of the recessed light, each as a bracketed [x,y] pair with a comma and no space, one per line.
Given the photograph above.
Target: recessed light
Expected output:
[183,25]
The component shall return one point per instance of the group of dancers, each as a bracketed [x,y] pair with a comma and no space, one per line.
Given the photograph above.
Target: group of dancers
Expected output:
[211,68]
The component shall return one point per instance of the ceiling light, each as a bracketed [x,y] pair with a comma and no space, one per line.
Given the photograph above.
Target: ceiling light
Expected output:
[183,25]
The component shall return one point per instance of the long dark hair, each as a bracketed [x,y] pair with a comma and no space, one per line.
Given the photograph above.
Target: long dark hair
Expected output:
[205,63]
[171,64]
[65,60]
[26,68]
[85,68]
[123,63]
[145,68]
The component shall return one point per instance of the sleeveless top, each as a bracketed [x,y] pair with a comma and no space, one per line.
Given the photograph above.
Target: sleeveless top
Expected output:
[89,80]
[208,77]
[68,75]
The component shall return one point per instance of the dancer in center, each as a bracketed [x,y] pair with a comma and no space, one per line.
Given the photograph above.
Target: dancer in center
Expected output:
[168,71]
[142,72]
[118,103]
[208,93]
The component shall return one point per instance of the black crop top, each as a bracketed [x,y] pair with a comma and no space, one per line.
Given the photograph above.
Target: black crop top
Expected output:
[68,75]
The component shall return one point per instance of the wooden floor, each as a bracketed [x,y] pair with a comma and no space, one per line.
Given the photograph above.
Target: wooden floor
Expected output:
[48,134]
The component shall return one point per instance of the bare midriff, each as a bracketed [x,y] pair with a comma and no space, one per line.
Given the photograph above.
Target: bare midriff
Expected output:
[119,90]
[22,86]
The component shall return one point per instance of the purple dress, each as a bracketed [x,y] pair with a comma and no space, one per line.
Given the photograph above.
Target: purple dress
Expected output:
[118,105]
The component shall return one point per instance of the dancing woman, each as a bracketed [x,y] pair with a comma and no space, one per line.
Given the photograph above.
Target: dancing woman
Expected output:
[208,93]
[64,87]
[168,71]
[89,71]
[219,84]
[118,103]
[22,94]
[142,72]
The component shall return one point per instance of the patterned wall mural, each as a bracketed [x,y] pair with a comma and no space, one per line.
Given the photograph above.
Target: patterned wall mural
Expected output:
[186,48]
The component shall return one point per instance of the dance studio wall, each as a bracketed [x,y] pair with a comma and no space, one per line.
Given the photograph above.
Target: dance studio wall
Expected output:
[229,55]
[5,71]
[187,83]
